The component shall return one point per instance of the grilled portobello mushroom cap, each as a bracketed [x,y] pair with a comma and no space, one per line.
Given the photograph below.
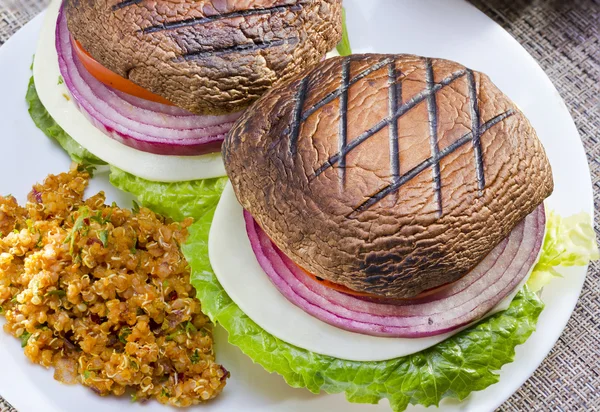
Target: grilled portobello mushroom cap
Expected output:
[210,57]
[388,174]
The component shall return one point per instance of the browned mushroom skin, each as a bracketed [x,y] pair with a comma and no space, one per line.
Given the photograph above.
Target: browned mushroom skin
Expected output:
[389,174]
[208,56]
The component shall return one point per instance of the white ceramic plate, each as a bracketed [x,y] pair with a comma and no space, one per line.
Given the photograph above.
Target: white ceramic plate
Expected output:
[442,28]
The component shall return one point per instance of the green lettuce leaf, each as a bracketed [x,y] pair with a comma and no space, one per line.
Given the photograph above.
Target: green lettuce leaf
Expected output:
[569,241]
[343,47]
[454,368]
[176,200]
[46,124]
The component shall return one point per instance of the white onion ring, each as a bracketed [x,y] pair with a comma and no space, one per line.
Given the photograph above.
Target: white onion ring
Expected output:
[463,302]
[144,125]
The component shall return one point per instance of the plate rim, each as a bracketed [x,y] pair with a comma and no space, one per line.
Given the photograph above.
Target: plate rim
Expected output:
[580,148]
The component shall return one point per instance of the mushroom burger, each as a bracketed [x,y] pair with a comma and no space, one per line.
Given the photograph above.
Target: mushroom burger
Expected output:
[153,87]
[390,177]
[378,205]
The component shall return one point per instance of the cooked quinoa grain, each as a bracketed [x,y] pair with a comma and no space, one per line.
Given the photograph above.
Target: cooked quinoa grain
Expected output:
[103,295]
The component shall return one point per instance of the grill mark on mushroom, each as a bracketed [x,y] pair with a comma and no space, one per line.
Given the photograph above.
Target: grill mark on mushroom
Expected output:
[475,128]
[125,3]
[432,113]
[240,48]
[343,123]
[394,95]
[402,110]
[209,19]
[297,120]
[391,188]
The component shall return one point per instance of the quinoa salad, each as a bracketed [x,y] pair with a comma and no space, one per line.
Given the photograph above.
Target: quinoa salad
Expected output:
[103,295]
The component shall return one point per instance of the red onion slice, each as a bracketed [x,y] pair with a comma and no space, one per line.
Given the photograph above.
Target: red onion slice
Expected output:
[144,125]
[154,106]
[465,301]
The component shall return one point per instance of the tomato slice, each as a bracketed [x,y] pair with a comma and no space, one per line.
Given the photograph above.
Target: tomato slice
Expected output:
[348,291]
[112,79]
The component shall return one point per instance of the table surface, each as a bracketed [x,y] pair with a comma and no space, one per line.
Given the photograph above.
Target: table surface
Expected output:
[562,35]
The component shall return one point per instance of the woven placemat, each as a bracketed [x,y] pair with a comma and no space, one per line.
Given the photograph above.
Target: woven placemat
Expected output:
[563,37]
